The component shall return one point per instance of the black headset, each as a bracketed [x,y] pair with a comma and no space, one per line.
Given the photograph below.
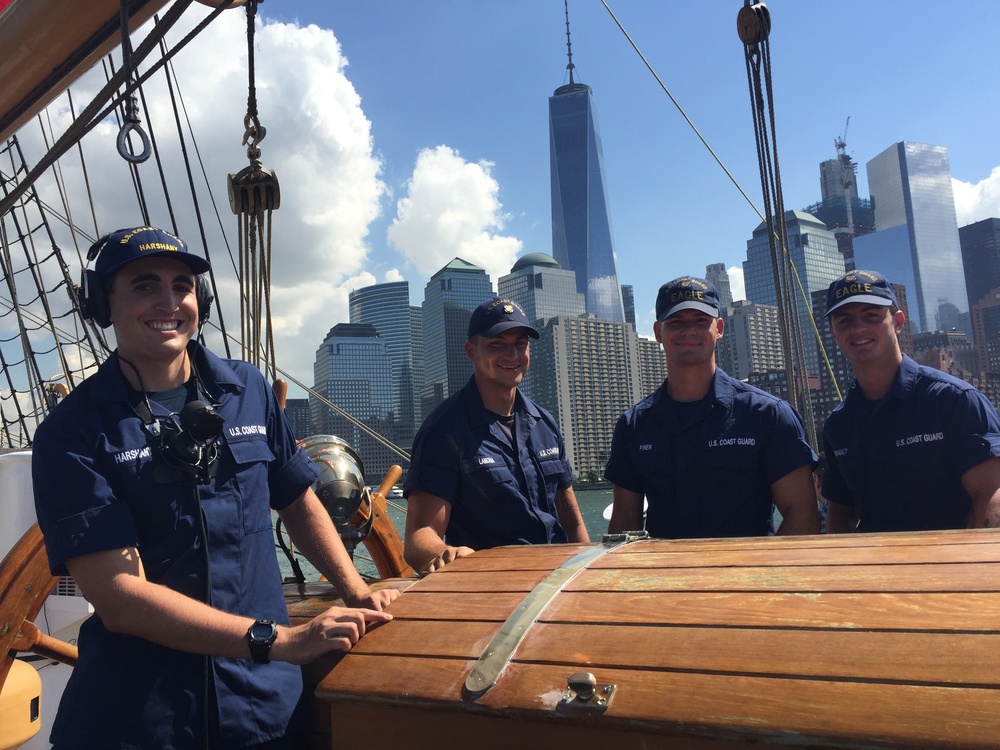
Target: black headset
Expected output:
[93,299]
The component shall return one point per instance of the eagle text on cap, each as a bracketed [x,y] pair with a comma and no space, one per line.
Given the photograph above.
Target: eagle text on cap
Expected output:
[687,293]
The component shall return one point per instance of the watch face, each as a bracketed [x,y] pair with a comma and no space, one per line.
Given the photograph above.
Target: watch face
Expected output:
[261,631]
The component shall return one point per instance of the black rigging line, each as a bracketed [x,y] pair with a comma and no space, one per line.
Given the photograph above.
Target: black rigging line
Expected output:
[793,278]
[92,115]
[754,25]
[170,80]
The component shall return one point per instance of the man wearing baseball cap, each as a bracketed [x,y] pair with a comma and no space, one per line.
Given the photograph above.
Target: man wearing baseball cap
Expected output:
[911,447]
[712,455]
[154,481]
[489,466]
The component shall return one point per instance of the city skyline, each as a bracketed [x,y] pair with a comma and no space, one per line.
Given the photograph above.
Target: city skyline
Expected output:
[407,134]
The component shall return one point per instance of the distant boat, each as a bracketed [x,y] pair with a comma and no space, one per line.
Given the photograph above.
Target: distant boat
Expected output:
[396,493]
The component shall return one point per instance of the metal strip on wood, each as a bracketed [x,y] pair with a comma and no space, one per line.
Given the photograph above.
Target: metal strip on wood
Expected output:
[500,651]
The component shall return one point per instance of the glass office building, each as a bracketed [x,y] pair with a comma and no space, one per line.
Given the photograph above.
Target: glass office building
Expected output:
[387,308]
[581,224]
[449,299]
[817,260]
[542,288]
[352,370]
[980,244]
[910,184]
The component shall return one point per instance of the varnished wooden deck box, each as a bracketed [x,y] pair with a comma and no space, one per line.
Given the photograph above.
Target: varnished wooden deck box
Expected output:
[835,641]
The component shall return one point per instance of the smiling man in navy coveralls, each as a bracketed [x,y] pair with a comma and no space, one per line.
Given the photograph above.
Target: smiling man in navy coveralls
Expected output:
[910,448]
[190,646]
[489,465]
[712,456]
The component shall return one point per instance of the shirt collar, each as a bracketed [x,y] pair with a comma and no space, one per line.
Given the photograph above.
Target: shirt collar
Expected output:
[905,380]
[720,391]
[216,376]
[902,384]
[479,414]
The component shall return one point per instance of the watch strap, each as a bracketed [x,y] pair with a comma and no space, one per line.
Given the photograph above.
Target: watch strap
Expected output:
[260,647]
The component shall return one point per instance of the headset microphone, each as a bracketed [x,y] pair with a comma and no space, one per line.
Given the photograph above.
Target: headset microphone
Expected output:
[189,443]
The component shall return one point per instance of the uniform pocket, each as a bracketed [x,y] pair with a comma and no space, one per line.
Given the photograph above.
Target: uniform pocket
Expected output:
[731,464]
[252,458]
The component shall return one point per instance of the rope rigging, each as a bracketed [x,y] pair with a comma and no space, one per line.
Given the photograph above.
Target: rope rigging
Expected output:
[130,124]
[754,26]
[753,22]
[253,196]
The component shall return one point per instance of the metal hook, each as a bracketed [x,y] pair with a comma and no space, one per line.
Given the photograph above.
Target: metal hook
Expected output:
[255,133]
[131,125]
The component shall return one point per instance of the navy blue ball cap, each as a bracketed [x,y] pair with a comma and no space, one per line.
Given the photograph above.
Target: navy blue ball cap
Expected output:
[494,316]
[687,293]
[865,287]
[123,246]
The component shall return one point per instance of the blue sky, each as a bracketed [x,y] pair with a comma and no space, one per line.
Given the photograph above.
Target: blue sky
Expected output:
[407,133]
[476,77]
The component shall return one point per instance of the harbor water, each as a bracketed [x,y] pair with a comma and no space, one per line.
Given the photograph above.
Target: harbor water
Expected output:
[592,503]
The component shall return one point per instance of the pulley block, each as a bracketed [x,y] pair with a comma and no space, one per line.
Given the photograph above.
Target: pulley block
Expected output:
[253,190]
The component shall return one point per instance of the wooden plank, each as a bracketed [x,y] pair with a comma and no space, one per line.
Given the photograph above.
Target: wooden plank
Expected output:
[308,600]
[935,658]
[488,607]
[968,612]
[481,581]
[776,708]
[858,578]
[394,727]
[461,640]
[897,555]
[541,557]
[818,541]
[785,711]
[398,677]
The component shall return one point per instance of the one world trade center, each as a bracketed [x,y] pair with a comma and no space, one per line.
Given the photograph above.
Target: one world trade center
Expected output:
[581,227]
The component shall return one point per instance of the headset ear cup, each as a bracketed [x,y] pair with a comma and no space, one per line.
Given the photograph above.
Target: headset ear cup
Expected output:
[204,296]
[93,301]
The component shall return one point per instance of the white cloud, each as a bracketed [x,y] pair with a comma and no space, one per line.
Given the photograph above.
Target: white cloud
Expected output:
[975,202]
[318,141]
[452,209]
[736,285]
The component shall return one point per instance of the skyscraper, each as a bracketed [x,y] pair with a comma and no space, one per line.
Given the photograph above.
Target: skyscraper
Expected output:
[717,274]
[387,308]
[586,371]
[628,300]
[817,262]
[542,288]
[980,244]
[752,340]
[449,299]
[352,370]
[916,239]
[581,225]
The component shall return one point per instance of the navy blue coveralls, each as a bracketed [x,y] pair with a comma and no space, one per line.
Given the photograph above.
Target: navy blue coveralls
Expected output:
[499,493]
[706,468]
[92,470]
[899,461]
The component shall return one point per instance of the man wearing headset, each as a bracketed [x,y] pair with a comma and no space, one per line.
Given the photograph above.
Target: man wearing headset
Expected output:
[190,645]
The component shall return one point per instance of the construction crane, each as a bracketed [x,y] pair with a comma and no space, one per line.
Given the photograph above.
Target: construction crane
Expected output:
[847,173]
[841,143]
